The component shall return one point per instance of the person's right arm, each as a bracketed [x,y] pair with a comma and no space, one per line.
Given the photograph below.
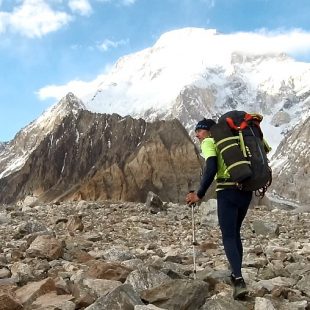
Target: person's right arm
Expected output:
[207,176]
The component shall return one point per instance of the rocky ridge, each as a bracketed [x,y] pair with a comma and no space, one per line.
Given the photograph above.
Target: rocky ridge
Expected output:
[14,154]
[104,255]
[95,156]
[291,165]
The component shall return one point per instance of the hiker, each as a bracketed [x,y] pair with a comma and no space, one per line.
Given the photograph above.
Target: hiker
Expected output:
[232,204]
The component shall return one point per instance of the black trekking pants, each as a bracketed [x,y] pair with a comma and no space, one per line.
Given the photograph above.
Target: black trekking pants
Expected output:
[232,206]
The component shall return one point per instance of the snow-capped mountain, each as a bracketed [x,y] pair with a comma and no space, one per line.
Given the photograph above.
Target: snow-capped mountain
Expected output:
[14,154]
[190,73]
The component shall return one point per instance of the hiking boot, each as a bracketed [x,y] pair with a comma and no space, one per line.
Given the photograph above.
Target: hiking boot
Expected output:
[232,278]
[240,290]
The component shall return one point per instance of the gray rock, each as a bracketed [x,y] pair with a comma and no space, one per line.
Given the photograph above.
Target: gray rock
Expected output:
[303,284]
[121,298]
[154,203]
[46,247]
[4,218]
[29,228]
[146,278]
[178,295]
[133,264]
[278,281]
[263,304]
[22,272]
[101,287]
[117,253]
[296,305]
[266,228]
[223,303]
[297,269]
[4,273]
[148,307]
[280,118]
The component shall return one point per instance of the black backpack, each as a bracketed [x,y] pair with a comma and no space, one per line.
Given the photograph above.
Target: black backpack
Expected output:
[239,139]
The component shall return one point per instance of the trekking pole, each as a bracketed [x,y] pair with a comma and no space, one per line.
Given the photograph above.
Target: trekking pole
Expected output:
[194,242]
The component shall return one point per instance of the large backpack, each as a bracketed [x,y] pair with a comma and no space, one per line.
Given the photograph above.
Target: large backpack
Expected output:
[239,139]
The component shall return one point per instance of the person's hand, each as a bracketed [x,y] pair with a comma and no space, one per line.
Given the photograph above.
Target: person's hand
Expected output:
[191,198]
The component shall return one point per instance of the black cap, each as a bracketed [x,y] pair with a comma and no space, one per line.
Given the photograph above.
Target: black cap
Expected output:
[205,124]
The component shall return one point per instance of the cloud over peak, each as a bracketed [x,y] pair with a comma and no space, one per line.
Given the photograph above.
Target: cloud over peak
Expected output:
[217,48]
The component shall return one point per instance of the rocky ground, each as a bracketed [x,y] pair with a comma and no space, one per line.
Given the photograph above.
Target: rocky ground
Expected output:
[129,256]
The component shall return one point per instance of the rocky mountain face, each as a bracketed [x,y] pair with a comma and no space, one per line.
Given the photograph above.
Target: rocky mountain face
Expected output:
[187,75]
[111,256]
[291,165]
[100,156]
[14,154]
[2,146]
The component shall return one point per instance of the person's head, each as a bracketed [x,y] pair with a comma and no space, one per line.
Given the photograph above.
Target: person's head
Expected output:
[202,129]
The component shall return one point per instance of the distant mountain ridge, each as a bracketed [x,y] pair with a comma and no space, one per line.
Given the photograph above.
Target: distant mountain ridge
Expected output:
[99,156]
[187,75]
[291,165]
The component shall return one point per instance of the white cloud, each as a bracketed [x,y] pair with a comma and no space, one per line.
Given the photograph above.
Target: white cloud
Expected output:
[218,48]
[294,42]
[107,44]
[79,88]
[82,7]
[33,18]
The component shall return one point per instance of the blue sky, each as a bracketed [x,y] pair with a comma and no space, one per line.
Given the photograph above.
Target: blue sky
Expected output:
[53,42]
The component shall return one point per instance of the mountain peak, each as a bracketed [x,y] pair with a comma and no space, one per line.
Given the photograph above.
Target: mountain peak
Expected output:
[181,36]
[17,151]
[70,103]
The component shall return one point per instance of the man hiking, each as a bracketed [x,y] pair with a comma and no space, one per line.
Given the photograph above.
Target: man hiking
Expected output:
[232,203]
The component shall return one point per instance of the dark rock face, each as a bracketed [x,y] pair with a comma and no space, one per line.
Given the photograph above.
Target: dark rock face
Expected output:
[99,156]
[2,146]
[291,165]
